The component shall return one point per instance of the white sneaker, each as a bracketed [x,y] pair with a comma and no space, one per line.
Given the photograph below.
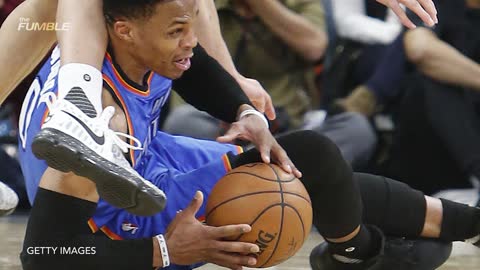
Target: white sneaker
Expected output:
[72,141]
[8,200]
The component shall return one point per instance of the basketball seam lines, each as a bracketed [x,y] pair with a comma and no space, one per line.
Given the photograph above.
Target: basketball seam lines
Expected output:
[282,204]
[258,216]
[301,220]
[264,178]
[251,194]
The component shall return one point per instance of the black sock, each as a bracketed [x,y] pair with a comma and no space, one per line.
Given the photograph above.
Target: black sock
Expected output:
[355,250]
[460,221]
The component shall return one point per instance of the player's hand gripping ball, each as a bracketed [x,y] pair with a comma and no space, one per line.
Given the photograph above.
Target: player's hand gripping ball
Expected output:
[273,202]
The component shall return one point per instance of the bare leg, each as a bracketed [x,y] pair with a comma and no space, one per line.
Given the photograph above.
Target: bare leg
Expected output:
[83,46]
[436,58]
[210,37]
[433,218]
[86,40]
[23,50]
[345,238]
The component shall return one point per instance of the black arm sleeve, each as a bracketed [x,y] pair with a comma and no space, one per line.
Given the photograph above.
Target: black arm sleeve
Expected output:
[59,222]
[210,88]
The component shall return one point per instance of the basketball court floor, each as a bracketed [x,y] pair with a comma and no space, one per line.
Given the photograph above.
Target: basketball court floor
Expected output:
[12,230]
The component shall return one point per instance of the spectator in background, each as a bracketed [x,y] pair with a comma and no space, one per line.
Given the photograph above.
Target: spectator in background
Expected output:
[433,53]
[437,123]
[277,42]
[365,22]
[437,138]
[365,29]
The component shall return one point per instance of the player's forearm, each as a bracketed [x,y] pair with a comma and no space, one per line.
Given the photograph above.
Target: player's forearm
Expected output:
[210,36]
[296,31]
[209,87]
[21,49]
[86,39]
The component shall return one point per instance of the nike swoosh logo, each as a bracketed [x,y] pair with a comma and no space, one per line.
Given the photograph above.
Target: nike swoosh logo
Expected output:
[98,139]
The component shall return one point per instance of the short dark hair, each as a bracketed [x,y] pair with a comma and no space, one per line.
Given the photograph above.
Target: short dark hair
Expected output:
[132,9]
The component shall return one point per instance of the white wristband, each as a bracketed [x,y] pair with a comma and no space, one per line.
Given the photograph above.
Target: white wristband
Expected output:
[254,112]
[163,250]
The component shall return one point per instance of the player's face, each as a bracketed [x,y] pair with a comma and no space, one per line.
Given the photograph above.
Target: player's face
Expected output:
[165,41]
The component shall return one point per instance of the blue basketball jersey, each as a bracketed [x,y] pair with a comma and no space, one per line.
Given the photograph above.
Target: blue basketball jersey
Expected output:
[141,104]
[178,165]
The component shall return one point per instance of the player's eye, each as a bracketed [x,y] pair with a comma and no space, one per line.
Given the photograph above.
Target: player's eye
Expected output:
[175,32]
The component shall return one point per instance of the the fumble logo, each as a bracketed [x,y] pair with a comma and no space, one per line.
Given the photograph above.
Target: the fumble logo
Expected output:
[26,24]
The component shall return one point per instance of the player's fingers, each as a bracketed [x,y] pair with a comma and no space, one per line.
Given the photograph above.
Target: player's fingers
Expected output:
[265,152]
[235,132]
[285,162]
[228,230]
[231,261]
[194,205]
[401,14]
[429,6]
[227,138]
[231,135]
[414,6]
[269,109]
[236,247]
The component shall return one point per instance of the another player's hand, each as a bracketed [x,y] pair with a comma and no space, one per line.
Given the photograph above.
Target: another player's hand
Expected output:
[425,9]
[260,99]
[190,242]
[252,128]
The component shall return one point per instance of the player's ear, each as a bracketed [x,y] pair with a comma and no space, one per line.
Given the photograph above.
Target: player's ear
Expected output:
[123,30]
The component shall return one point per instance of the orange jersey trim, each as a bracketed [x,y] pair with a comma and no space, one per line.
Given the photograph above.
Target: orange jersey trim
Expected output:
[126,84]
[110,234]
[93,226]
[226,163]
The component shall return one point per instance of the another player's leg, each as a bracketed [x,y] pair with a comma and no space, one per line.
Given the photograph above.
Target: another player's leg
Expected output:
[22,50]
[427,223]
[76,137]
[338,211]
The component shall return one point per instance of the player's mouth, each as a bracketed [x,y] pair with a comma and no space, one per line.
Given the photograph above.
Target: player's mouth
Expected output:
[184,63]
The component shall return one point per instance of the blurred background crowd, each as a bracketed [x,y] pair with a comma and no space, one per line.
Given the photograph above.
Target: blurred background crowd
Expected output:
[400,103]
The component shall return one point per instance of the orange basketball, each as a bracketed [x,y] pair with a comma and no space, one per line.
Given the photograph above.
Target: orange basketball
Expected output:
[273,202]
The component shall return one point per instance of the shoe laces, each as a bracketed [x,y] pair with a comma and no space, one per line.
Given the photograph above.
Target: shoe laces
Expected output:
[50,99]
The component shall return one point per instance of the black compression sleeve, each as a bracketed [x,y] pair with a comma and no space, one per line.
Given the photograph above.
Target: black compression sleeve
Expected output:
[209,87]
[58,237]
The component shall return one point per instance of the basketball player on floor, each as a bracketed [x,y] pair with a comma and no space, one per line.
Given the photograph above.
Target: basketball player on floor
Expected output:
[181,166]
[56,143]
[80,83]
